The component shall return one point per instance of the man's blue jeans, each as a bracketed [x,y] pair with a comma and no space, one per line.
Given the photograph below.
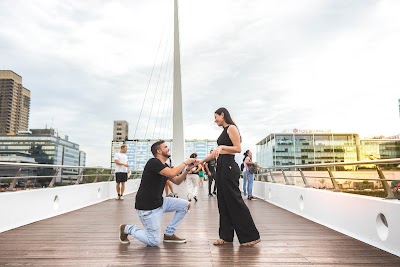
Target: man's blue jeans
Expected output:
[248,180]
[151,220]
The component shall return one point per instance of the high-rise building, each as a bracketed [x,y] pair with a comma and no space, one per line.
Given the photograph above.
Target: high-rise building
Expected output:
[121,130]
[14,103]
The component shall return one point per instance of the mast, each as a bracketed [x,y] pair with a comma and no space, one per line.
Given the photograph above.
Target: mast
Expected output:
[177,134]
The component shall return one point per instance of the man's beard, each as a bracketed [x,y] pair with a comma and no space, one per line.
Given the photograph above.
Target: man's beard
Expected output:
[167,155]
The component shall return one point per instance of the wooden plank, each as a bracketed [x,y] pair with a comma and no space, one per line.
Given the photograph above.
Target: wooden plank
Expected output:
[89,237]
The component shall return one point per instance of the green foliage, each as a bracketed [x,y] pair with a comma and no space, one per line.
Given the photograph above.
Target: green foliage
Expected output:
[104,174]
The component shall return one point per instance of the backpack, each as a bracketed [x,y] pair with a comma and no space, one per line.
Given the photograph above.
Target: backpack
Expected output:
[242,166]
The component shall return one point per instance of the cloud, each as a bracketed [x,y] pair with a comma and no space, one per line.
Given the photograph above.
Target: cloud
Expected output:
[275,66]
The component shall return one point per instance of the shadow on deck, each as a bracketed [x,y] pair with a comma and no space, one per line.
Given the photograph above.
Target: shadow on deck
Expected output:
[89,237]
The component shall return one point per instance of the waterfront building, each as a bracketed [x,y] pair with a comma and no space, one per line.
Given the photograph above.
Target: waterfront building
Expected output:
[45,147]
[380,148]
[307,147]
[15,102]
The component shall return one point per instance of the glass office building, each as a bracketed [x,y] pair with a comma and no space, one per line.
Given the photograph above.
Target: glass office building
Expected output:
[139,151]
[307,148]
[380,148]
[45,147]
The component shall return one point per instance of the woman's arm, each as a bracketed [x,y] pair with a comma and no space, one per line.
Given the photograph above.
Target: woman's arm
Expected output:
[234,135]
[168,172]
[208,158]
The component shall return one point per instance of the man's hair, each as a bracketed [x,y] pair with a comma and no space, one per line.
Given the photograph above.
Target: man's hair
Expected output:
[194,155]
[156,146]
[124,145]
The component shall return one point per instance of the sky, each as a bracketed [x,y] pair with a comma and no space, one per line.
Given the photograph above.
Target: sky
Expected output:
[275,65]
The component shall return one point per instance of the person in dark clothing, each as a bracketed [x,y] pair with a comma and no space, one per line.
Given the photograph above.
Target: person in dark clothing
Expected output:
[151,205]
[234,214]
[210,169]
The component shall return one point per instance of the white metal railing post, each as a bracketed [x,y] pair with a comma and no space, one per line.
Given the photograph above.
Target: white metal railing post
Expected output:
[111,176]
[272,177]
[304,179]
[386,187]
[53,180]
[15,180]
[335,184]
[97,177]
[80,176]
[285,178]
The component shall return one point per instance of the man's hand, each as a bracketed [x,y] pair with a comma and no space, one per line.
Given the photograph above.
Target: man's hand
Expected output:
[189,161]
[191,165]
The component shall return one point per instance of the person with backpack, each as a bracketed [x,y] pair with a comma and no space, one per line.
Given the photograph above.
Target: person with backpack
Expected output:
[248,174]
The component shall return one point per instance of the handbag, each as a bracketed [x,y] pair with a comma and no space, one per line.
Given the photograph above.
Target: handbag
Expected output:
[252,168]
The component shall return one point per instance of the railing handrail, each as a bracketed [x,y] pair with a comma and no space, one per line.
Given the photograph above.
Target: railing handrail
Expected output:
[37,165]
[373,162]
[57,173]
[271,172]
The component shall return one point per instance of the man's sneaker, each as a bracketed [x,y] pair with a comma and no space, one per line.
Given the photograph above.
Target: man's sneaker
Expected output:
[173,239]
[123,238]
[118,197]
[121,198]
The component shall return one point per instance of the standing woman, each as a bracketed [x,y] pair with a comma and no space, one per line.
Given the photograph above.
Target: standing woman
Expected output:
[200,167]
[192,179]
[234,215]
[248,175]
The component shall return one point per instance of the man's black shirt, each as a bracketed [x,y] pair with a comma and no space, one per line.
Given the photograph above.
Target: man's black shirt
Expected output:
[149,195]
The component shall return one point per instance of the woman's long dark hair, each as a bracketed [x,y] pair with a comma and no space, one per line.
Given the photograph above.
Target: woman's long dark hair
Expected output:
[227,115]
[227,118]
[246,154]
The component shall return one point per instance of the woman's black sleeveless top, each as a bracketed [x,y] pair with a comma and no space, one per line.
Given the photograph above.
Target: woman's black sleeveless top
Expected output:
[223,139]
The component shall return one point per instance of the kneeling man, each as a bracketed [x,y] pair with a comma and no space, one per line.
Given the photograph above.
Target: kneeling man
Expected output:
[151,205]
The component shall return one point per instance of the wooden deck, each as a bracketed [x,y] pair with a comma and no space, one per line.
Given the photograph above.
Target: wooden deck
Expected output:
[89,237]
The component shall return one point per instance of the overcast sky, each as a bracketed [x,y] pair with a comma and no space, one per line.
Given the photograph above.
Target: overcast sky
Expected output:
[276,65]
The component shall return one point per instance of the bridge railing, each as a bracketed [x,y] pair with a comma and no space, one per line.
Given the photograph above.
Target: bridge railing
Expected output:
[19,176]
[288,174]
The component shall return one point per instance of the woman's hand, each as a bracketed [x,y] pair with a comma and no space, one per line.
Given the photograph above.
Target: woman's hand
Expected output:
[217,151]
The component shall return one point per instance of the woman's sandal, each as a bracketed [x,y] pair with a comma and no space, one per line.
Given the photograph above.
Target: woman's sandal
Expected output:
[221,242]
[251,243]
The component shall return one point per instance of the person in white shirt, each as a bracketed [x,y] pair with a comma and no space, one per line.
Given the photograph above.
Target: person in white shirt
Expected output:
[121,171]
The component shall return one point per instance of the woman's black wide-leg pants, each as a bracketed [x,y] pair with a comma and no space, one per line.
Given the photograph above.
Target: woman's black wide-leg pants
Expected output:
[233,213]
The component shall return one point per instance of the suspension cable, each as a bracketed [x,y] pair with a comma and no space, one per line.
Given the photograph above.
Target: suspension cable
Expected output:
[162,91]
[155,93]
[170,111]
[164,109]
[148,84]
